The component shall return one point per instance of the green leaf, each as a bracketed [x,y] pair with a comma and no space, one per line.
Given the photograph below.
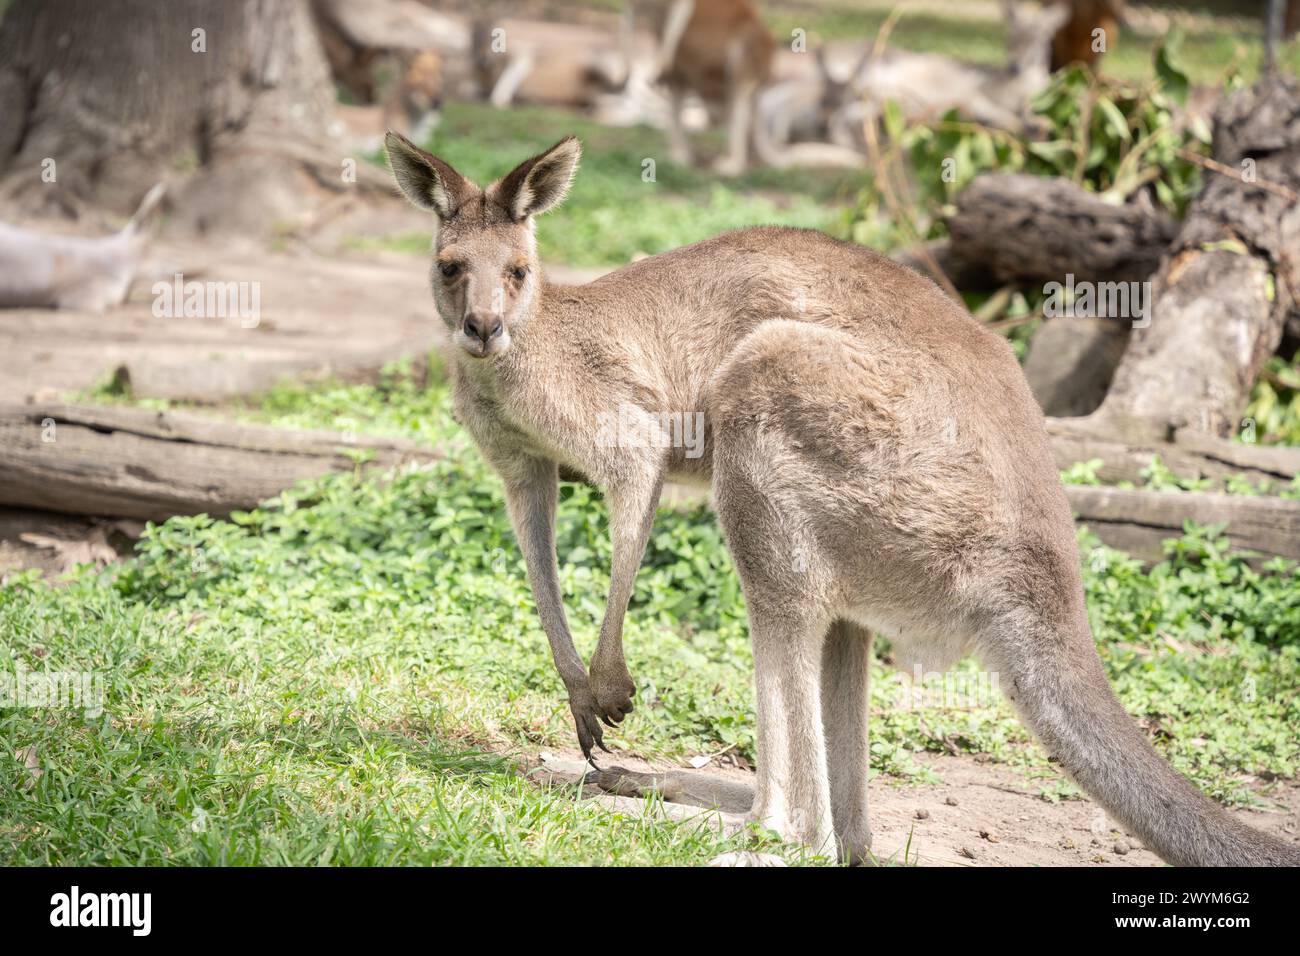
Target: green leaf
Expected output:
[1173,80]
[1113,119]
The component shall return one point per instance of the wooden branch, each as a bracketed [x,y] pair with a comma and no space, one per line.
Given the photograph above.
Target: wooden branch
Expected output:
[136,463]
[693,788]
[1138,521]
[968,276]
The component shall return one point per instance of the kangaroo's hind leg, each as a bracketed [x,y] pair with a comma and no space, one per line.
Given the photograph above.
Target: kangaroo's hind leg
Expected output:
[793,793]
[846,663]
[764,515]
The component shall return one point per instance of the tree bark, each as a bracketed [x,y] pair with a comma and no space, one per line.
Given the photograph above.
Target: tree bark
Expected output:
[1223,293]
[119,94]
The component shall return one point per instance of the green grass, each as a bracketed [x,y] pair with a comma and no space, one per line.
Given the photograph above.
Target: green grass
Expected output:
[334,677]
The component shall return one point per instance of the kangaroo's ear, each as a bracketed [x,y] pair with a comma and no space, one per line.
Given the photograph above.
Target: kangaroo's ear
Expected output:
[1053,18]
[425,179]
[540,183]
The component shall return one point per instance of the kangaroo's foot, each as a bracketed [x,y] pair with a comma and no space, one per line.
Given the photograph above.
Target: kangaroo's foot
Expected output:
[846,664]
[793,795]
[613,689]
[729,165]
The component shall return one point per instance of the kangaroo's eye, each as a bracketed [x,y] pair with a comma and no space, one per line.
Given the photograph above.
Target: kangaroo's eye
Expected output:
[449,270]
[518,272]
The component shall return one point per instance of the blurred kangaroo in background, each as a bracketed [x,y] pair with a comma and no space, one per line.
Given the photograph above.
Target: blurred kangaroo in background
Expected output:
[719,50]
[414,100]
[926,85]
[877,463]
[1090,31]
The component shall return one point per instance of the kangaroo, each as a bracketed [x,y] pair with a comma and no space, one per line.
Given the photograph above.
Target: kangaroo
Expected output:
[415,97]
[92,273]
[1076,41]
[926,85]
[877,462]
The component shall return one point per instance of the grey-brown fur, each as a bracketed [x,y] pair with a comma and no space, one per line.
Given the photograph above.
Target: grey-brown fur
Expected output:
[877,463]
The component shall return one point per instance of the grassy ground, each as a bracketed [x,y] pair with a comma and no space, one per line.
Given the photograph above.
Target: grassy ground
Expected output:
[332,677]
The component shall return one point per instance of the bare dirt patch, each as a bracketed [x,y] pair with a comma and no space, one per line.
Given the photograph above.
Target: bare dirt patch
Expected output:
[982,814]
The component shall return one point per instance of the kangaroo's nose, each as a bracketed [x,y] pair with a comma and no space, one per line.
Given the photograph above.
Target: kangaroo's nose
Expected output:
[483,328]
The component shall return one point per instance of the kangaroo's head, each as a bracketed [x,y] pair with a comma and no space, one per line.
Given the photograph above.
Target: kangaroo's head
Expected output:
[485,270]
[1029,38]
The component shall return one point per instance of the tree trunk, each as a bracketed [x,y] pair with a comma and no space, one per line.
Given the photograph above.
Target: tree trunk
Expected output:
[1222,295]
[110,96]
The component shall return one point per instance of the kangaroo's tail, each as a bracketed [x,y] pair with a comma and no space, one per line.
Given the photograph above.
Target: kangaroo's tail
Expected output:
[148,206]
[1058,685]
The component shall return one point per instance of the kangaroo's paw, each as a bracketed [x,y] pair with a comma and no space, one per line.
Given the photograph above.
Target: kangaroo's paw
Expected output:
[800,827]
[729,166]
[613,690]
[857,852]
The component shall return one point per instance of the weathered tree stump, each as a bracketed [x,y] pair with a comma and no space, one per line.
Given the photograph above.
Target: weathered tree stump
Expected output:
[1228,283]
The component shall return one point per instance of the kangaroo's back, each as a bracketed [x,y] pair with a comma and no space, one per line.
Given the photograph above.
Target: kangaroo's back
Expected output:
[689,308]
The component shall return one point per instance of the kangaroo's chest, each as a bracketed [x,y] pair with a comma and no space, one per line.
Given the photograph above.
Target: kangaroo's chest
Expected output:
[511,423]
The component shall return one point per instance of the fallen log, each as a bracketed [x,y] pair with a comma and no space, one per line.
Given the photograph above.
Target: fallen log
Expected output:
[1137,522]
[1191,454]
[1023,228]
[138,463]
[1071,362]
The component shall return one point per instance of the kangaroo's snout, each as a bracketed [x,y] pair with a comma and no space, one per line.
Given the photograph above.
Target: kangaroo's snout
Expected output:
[483,334]
[483,328]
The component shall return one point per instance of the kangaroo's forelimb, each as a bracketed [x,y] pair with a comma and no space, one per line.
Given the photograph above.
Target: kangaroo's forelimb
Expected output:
[532,489]
[631,514]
